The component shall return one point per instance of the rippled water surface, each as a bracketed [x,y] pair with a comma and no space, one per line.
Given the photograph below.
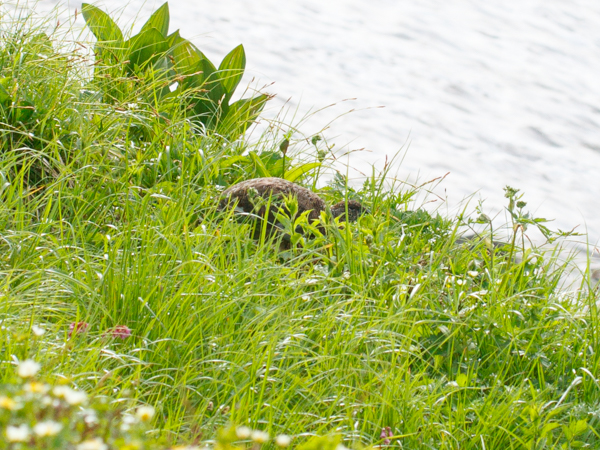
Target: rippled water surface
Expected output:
[493,92]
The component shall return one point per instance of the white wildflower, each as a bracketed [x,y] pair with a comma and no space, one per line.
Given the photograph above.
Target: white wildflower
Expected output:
[472,273]
[28,368]
[17,434]
[73,397]
[89,416]
[283,440]
[8,403]
[92,444]
[47,428]
[35,387]
[260,437]
[61,391]
[145,413]
[243,432]
[38,331]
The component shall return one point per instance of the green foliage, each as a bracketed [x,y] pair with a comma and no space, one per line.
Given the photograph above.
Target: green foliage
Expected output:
[172,71]
[37,414]
[109,215]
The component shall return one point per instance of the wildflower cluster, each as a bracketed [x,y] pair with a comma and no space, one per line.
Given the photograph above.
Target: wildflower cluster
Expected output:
[35,414]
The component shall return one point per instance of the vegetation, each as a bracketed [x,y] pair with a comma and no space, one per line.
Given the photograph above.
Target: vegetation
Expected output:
[120,276]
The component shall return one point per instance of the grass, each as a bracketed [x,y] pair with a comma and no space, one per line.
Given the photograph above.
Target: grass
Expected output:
[108,215]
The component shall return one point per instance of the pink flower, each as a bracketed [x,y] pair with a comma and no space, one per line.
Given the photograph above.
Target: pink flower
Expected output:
[121,332]
[78,327]
[386,434]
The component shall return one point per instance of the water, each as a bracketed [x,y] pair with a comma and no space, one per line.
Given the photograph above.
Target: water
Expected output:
[493,92]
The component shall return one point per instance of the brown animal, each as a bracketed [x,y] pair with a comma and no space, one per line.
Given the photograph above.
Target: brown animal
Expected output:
[251,197]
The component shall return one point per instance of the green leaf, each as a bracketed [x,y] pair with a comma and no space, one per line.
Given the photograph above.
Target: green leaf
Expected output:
[231,70]
[548,427]
[462,380]
[297,172]
[260,167]
[5,96]
[159,20]
[146,47]
[224,163]
[200,72]
[210,105]
[100,23]
[241,114]
[186,56]
[579,427]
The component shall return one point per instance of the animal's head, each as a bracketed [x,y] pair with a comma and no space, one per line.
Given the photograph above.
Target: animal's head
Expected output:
[355,210]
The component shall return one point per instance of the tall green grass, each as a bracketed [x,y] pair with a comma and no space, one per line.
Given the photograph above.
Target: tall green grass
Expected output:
[108,215]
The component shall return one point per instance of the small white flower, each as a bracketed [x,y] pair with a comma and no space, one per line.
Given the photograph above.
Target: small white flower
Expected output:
[283,440]
[28,368]
[38,331]
[145,413]
[89,416]
[92,444]
[472,273]
[74,397]
[71,396]
[47,428]
[8,403]
[128,419]
[260,437]
[460,282]
[243,432]
[17,434]
[35,387]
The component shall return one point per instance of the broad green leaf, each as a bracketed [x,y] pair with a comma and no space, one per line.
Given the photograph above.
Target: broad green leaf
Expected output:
[186,56]
[273,161]
[159,20]
[297,172]
[224,163]
[241,114]
[146,47]
[201,71]
[210,105]
[100,23]
[260,167]
[579,427]
[231,69]
[213,85]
